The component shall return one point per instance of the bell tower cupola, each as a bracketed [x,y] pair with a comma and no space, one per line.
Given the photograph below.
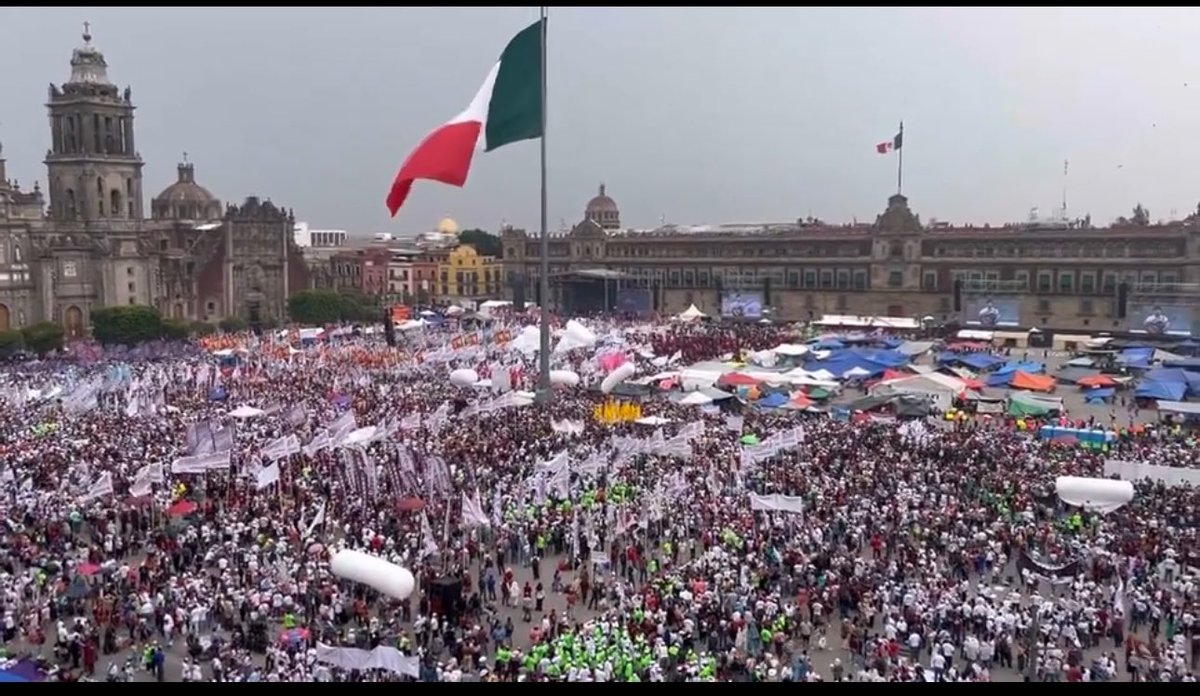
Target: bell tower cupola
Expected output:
[93,167]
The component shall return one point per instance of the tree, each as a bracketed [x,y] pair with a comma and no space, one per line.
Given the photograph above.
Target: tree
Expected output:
[485,243]
[201,328]
[232,324]
[175,329]
[126,325]
[316,307]
[43,337]
[11,341]
[1141,216]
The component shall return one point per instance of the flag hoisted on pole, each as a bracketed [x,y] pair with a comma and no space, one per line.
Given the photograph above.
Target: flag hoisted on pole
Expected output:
[545,390]
[508,108]
[896,144]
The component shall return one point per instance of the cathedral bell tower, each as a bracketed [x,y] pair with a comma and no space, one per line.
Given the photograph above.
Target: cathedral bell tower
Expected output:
[94,170]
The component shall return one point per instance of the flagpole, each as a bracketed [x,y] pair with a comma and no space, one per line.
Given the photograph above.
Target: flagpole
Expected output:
[544,389]
[900,164]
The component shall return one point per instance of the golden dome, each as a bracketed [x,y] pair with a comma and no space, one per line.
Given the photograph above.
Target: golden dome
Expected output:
[447,226]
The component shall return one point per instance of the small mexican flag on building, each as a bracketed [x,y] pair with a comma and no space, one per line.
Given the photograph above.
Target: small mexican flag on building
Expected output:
[506,109]
[888,145]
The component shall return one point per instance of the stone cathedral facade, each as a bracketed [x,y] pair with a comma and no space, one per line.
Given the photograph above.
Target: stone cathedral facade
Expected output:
[85,240]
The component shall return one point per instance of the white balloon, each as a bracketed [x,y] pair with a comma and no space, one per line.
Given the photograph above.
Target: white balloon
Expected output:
[374,572]
[564,377]
[622,373]
[464,377]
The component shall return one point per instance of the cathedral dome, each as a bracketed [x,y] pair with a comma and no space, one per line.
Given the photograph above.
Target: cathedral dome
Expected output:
[447,226]
[601,203]
[185,199]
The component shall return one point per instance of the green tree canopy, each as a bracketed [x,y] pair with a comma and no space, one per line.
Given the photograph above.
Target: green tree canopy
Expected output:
[43,337]
[11,341]
[126,325]
[485,243]
[330,307]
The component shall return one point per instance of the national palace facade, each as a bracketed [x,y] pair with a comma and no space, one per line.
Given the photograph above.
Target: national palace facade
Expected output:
[1067,276]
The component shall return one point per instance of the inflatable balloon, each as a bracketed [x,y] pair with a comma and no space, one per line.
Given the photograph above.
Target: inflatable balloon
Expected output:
[617,376]
[574,336]
[565,378]
[374,572]
[464,377]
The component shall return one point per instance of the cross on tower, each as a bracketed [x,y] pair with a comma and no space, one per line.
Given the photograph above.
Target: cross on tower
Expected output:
[185,161]
[87,32]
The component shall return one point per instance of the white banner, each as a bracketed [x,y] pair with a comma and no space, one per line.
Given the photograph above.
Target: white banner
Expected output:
[283,447]
[99,488]
[201,463]
[776,503]
[382,657]
[267,475]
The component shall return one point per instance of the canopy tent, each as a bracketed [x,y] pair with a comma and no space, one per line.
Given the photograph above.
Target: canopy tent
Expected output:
[1100,395]
[1025,380]
[1092,381]
[940,389]
[692,313]
[1160,391]
[1028,404]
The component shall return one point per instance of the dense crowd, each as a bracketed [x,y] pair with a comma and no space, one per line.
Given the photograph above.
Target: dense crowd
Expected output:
[549,546]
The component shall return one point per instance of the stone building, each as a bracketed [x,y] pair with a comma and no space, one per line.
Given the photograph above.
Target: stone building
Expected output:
[1057,275]
[89,243]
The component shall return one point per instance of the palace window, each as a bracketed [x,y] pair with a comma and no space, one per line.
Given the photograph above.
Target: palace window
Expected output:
[1087,283]
[1066,281]
[929,280]
[1045,281]
[895,279]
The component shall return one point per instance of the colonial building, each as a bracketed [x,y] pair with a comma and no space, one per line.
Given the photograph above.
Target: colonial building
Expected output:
[91,245]
[1068,276]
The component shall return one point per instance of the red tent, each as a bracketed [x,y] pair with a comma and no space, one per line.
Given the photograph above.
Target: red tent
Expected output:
[737,379]
[1097,381]
[182,509]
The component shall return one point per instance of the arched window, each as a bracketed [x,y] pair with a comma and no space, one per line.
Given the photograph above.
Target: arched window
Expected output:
[115,203]
[71,211]
[100,196]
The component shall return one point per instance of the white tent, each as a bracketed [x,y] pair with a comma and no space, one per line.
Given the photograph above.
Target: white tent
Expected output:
[246,412]
[695,399]
[691,314]
[942,389]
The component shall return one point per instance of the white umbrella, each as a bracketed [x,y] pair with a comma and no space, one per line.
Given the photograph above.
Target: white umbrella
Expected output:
[695,399]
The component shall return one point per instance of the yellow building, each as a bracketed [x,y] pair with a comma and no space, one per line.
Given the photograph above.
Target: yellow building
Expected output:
[466,275]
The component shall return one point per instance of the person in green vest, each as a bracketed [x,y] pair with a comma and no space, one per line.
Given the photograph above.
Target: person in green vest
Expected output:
[289,621]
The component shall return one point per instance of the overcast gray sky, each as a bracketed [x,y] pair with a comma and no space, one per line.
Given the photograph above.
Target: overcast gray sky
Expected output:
[698,115]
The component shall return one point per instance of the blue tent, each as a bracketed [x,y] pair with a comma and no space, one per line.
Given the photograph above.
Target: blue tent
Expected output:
[11,677]
[830,344]
[1000,379]
[1095,395]
[980,361]
[1033,368]
[773,400]
[1161,391]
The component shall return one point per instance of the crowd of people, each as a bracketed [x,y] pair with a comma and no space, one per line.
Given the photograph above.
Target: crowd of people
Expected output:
[170,516]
